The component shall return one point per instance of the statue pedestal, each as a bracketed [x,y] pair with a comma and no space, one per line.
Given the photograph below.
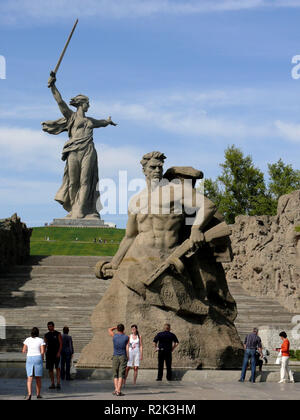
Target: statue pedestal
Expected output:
[206,341]
[65,222]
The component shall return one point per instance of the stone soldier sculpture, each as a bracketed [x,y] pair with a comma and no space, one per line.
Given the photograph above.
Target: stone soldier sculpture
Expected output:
[169,271]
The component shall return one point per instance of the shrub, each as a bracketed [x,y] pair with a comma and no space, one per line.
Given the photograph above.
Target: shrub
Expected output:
[295,354]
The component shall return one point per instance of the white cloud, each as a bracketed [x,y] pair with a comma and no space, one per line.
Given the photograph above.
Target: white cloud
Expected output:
[289,131]
[206,114]
[23,148]
[285,3]
[196,115]
[17,191]
[27,112]
[187,119]
[14,11]
[197,100]
[111,160]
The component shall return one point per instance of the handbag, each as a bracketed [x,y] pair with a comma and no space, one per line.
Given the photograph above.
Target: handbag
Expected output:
[73,370]
[279,358]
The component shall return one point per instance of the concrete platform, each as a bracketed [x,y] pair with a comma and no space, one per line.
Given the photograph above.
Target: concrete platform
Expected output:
[12,366]
[160,392]
[65,222]
[17,371]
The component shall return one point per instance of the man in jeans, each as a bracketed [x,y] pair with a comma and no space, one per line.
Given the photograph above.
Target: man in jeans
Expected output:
[165,343]
[251,344]
[120,357]
[66,354]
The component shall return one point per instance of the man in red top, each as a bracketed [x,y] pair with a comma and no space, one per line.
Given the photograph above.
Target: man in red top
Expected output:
[285,352]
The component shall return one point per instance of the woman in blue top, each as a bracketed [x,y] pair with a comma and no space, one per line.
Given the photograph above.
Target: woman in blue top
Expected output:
[120,357]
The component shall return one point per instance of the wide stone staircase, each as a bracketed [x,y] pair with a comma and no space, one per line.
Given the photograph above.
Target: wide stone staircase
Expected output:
[65,290]
[257,311]
[61,289]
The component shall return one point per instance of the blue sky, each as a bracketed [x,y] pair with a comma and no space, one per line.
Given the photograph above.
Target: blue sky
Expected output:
[185,77]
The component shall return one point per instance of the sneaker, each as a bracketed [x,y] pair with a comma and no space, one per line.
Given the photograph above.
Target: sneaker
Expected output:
[120,394]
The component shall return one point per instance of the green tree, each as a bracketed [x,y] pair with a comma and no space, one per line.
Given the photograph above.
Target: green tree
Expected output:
[212,191]
[242,186]
[283,179]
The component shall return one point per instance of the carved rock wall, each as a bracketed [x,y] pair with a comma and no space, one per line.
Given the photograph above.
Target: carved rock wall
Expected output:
[267,251]
[14,242]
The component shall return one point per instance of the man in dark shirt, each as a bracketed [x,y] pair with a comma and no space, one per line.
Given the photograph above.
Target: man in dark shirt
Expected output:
[165,343]
[53,342]
[66,354]
[251,344]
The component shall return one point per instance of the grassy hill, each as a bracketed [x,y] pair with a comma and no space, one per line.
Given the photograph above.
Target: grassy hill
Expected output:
[75,241]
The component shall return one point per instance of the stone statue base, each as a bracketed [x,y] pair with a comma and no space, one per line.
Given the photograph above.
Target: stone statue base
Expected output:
[206,341]
[66,222]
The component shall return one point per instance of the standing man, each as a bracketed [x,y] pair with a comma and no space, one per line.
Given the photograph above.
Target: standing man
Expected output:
[120,357]
[251,344]
[165,343]
[66,354]
[53,342]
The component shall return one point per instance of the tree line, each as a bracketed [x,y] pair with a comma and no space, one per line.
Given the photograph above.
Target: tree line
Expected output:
[242,189]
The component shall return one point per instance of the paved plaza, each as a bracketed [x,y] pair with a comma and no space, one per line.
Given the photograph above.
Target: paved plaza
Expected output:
[14,389]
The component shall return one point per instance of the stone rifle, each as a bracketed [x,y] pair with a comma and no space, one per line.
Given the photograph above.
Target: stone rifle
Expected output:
[187,250]
[174,260]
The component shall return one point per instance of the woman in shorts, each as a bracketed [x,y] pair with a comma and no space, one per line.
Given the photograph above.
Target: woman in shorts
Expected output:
[34,347]
[135,350]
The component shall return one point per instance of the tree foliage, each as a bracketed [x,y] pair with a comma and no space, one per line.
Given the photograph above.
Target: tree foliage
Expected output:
[283,179]
[241,187]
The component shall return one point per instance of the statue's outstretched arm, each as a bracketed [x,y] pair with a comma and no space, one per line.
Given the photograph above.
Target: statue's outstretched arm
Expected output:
[102,123]
[64,109]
